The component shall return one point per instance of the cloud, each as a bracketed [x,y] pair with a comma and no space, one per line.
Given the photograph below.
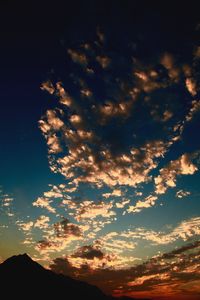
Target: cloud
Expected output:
[130,169]
[6,204]
[195,107]
[141,280]
[6,201]
[59,191]
[167,177]
[91,136]
[90,259]
[92,151]
[64,97]
[191,86]
[25,226]
[42,222]
[162,270]
[53,121]
[89,210]
[58,236]
[110,110]
[122,203]
[55,244]
[88,252]
[148,202]
[115,193]
[48,86]
[104,61]
[54,144]
[183,231]
[50,128]
[161,117]
[78,57]
[181,194]
[168,61]
[65,228]
[177,252]
[116,244]
[44,203]
[63,266]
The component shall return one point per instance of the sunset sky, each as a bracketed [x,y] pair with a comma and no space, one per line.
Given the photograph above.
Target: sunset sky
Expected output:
[99,143]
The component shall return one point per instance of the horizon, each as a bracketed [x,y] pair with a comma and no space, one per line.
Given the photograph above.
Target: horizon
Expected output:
[100,154]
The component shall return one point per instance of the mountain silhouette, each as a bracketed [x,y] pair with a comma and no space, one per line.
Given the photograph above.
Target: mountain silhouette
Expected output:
[23,278]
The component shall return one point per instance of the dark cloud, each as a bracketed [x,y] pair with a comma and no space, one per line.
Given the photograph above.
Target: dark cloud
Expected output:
[89,252]
[63,266]
[44,244]
[181,250]
[65,228]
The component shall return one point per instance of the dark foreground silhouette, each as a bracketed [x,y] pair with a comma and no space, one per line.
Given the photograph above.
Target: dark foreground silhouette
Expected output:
[23,278]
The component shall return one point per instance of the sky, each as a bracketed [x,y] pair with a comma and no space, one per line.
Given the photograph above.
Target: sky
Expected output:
[100,150]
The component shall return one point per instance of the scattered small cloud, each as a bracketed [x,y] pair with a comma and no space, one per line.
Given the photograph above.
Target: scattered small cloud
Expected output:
[182,193]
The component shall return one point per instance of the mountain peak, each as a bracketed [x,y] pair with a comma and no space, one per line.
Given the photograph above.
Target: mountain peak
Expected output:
[21,271]
[19,258]
[25,257]
[21,262]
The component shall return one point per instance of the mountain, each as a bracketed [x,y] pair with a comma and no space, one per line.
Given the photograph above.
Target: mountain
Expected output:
[23,278]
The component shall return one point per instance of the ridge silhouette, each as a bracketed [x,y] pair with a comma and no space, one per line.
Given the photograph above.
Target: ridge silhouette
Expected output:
[23,278]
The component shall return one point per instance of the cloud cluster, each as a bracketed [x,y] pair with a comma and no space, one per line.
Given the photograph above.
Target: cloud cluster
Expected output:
[42,222]
[86,143]
[91,215]
[177,267]
[25,226]
[6,204]
[91,210]
[88,252]
[170,270]
[128,169]
[58,236]
[167,177]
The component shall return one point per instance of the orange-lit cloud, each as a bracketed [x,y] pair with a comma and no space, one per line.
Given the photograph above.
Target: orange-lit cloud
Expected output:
[167,178]
[44,203]
[149,201]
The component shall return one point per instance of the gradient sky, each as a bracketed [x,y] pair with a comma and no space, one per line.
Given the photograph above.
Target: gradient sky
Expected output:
[100,149]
